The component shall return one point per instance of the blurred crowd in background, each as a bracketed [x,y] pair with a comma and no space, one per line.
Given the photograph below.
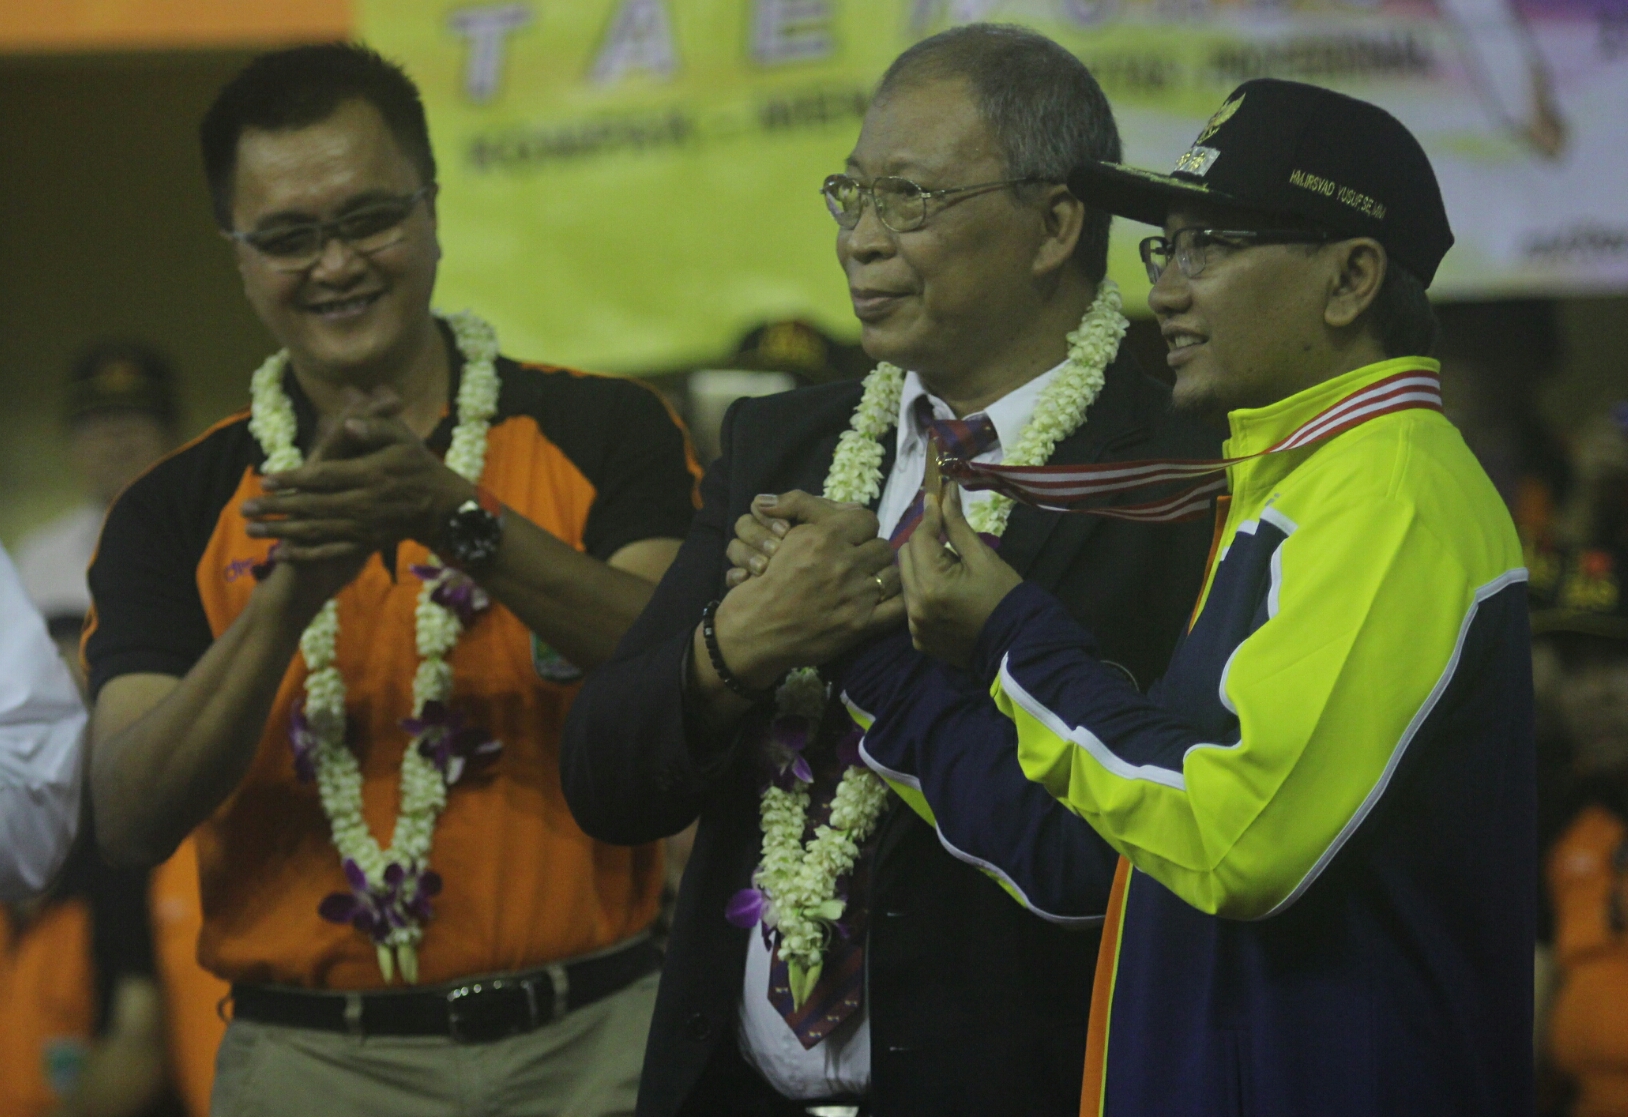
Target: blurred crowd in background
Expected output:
[103,1009]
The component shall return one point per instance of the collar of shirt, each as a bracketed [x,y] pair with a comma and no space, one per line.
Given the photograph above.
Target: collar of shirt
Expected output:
[1010,414]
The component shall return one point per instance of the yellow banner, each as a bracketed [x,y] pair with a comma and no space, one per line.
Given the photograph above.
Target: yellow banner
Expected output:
[633,184]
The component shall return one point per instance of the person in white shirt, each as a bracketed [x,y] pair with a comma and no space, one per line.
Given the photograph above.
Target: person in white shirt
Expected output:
[42,724]
[121,419]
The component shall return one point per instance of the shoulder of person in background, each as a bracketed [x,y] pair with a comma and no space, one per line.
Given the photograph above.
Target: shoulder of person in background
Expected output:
[774,357]
[51,561]
[42,723]
[120,417]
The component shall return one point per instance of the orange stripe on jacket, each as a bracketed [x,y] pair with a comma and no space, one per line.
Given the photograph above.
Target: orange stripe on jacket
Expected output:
[1102,996]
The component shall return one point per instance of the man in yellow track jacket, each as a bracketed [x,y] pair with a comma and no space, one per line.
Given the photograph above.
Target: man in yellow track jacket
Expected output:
[1326,808]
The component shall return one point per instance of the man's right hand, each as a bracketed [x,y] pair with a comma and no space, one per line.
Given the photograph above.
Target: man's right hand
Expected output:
[307,575]
[758,534]
[832,583]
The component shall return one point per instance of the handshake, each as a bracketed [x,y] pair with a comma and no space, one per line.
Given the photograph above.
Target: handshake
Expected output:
[811,579]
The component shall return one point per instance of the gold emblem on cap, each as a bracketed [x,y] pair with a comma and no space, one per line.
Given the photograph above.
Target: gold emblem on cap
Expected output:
[118,378]
[1222,115]
[1197,161]
[792,343]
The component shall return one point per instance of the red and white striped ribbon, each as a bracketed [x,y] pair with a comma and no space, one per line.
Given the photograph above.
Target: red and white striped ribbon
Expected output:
[1065,488]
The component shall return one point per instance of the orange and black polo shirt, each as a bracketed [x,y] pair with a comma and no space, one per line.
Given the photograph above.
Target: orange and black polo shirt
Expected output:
[47,1006]
[598,461]
[1588,1026]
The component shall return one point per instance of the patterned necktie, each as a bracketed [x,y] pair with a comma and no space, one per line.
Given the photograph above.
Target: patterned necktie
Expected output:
[960,438]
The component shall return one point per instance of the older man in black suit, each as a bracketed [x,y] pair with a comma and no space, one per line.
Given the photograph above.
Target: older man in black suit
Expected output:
[912,984]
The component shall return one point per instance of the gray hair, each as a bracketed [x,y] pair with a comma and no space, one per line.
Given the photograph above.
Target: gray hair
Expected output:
[1047,112]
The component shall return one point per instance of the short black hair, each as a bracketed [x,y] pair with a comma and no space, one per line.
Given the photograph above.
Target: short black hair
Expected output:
[1047,112]
[1401,316]
[303,86]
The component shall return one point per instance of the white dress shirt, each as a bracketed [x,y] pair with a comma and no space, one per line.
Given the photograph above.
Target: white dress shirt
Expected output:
[841,1063]
[53,560]
[42,724]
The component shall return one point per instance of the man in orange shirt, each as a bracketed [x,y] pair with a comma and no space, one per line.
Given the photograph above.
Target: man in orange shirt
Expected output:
[409,916]
[193,1026]
[1581,631]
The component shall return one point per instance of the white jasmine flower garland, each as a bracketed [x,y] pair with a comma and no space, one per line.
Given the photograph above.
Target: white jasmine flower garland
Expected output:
[798,881]
[390,887]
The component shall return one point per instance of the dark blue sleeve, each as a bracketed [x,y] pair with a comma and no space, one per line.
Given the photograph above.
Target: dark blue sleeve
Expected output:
[634,767]
[935,731]
[1047,664]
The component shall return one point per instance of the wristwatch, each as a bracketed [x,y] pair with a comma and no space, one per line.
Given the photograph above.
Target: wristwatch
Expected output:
[470,537]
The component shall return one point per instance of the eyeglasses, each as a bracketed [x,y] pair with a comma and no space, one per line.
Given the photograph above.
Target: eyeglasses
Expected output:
[1188,245]
[900,203]
[369,229]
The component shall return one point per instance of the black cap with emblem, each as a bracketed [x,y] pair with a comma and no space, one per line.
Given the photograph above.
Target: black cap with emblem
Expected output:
[121,376]
[1284,147]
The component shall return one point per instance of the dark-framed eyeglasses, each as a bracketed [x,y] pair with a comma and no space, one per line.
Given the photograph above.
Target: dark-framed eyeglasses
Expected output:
[899,203]
[367,229]
[1188,246]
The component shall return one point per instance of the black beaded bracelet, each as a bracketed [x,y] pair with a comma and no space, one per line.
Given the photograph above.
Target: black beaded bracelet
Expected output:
[709,633]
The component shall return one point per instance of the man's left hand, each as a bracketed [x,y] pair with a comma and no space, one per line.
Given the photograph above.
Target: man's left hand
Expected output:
[950,591]
[380,485]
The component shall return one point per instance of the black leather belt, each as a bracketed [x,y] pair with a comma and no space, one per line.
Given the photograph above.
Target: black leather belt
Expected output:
[476,1010]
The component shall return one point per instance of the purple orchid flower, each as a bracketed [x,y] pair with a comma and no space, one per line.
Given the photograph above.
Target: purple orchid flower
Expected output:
[358,907]
[401,897]
[745,908]
[454,591]
[303,741]
[429,886]
[790,736]
[454,748]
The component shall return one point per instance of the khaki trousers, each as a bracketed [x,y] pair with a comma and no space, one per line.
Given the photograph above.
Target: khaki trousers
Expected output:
[585,1064]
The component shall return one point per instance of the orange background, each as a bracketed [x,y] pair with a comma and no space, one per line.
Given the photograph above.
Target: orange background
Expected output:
[57,25]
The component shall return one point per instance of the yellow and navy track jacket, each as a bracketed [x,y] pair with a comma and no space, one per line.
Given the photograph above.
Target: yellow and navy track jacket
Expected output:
[1327,803]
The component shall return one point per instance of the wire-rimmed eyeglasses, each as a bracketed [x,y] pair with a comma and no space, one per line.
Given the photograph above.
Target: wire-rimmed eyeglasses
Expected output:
[367,229]
[1187,245]
[899,203]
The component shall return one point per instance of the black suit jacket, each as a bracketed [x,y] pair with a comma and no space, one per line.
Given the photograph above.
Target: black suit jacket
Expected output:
[976,1006]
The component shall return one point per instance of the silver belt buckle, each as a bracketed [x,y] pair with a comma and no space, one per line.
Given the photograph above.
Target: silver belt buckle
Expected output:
[456,999]
[561,981]
[464,1023]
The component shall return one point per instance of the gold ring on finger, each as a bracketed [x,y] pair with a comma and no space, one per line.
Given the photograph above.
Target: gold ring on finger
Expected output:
[881,586]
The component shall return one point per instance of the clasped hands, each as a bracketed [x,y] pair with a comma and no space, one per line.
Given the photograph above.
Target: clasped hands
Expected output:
[369,483]
[796,548]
